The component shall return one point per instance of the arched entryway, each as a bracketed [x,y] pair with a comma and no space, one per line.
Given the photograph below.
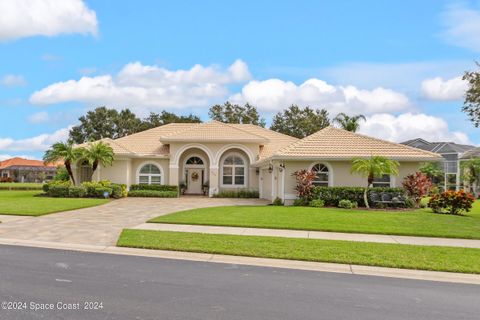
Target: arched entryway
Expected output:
[85,173]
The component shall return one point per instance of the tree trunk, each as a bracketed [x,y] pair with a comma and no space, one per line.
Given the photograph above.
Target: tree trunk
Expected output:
[94,167]
[365,197]
[69,170]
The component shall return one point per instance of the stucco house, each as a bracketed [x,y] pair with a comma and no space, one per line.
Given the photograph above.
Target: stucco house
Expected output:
[25,170]
[244,156]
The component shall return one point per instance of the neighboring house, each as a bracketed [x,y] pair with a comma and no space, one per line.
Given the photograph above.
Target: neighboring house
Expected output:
[25,170]
[451,153]
[244,156]
[472,154]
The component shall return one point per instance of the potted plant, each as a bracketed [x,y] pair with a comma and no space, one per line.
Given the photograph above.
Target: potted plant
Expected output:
[183,187]
[205,187]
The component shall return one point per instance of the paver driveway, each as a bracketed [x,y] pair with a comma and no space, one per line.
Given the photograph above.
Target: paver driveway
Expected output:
[102,225]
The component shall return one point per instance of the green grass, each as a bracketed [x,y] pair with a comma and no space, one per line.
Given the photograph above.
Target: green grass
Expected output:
[420,222]
[450,259]
[20,186]
[28,203]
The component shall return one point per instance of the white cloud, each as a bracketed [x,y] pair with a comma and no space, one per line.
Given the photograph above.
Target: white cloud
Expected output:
[275,94]
[409,126]
[13,80]
[440,89]
[462,26]
[138,85]
[26,18]
[39,117]
[38,143]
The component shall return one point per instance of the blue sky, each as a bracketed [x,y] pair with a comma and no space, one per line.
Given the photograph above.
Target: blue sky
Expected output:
[398,62]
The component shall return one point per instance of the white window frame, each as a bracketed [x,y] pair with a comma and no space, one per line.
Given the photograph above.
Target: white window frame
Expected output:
[383,184]
[233,166]
[150,175]
[330,173]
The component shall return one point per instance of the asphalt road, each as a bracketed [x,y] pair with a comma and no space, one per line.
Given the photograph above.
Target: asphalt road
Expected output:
[131,287]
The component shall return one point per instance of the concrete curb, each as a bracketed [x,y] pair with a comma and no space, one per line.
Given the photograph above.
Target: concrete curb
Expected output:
[261,262]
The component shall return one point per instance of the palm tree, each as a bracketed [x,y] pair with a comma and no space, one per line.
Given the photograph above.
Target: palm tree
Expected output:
[98,153]
[66,152]
[373,167]
[349,123]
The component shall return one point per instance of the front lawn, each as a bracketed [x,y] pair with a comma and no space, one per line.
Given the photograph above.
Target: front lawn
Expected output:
[20,186]
[420,222]
[364,253]
[28,203]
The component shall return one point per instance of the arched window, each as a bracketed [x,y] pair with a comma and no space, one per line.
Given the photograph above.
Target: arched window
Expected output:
[150,174]
[233,171]
[85,172]
[194,160]
[322,175]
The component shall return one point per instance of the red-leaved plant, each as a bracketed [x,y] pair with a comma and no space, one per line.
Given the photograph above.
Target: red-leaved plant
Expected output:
[417,186]
[304,185]
[451,202]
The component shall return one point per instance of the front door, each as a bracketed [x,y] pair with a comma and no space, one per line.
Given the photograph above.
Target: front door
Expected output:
[194,181]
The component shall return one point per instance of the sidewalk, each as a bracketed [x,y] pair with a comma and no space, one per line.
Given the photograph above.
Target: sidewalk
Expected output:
[259,262]
[419,241]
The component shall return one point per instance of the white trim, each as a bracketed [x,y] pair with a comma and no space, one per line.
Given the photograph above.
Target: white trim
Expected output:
[282,185]
[260,184]
[245,171]
[184,148]
[330,170]
[141,165]
[226,148]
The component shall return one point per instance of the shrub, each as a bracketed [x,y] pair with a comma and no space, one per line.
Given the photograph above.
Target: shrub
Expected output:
[153,194]
[277,202]
[410,203]
[77,192]
[6,179]
[347,204]
[155,187]
[118,190]
[317,203]
[243,193]
[46,186]
[99,192]
[58,191]
[61,174]
[300,202]
[333,195]
[451,202]
[417,186]
[304,185]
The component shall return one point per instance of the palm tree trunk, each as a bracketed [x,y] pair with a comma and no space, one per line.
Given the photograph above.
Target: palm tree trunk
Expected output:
[365,193]
[94,167]
[68,166]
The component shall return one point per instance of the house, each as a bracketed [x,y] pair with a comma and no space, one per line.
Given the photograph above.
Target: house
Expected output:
[451,153]
[25,170]
[244,156]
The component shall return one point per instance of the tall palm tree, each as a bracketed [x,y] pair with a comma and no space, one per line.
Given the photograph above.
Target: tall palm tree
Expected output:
[98,153]
[349,123]
[373,167]
[66,152]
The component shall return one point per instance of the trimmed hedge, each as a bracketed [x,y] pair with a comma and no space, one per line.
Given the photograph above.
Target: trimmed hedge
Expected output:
[237,194]
[92,189]
[153,187]
[20,186]
[153,194]
[332,195]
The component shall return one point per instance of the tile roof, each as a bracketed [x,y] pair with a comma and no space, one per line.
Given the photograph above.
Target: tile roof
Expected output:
[17,161]
[214,131]
[438,147]
[334,143]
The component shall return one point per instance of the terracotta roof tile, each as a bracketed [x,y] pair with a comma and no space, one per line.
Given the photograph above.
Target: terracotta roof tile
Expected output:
[17,161]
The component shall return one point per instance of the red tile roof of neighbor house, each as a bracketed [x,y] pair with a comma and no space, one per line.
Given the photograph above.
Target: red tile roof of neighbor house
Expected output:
[17,161]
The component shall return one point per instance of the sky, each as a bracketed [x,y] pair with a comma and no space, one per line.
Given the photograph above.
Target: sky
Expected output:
[397,62]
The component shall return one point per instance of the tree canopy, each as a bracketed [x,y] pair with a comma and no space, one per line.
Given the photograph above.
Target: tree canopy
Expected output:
[349,123]
[234,113]
[110,123]
[300,122]
[471,105]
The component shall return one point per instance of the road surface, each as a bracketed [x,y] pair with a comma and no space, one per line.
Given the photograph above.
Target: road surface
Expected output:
[129,287]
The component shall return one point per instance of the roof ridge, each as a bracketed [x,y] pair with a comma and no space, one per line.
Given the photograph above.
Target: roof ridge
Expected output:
[231,126]
[270,130]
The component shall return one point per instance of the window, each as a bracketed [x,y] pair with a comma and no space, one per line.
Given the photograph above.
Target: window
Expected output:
[85,172]
[150,174]
[194,160]
[384,181]
[322,174]
[233,171]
